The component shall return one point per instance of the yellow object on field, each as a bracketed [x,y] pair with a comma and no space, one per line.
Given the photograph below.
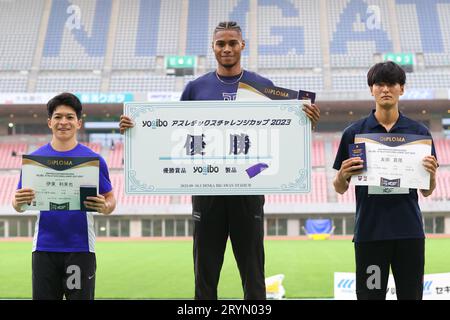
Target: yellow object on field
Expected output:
[319,236]
[274,287]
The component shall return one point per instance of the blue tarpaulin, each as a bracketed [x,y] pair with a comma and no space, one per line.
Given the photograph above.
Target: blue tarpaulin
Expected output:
[315,226]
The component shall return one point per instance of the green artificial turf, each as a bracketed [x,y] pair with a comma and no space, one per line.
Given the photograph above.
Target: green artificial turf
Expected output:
[164,269]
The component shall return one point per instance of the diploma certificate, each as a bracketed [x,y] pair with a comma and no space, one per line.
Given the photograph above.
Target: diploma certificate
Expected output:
[394,161]
[56,180]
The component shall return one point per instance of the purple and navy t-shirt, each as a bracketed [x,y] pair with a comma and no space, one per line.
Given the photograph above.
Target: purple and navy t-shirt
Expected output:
[73,230]
[208,87]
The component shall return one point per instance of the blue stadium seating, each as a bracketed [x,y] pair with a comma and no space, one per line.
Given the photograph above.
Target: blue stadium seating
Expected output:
[355,34]
[198,28]
[13,83]
[423,27]
[19,23]
[289,36]
[78,40]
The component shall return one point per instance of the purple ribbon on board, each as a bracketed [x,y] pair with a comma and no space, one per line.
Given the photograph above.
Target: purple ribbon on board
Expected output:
[256,169]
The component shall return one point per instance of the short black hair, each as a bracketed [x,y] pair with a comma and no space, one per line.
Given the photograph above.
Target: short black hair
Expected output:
[228,25]
[66,99]
[386,72]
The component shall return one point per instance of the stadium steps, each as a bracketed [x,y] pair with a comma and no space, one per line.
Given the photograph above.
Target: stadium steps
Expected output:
[325,46]
[42,33]
[107,66]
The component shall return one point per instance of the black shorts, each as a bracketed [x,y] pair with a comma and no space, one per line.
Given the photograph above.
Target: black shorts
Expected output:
[374,259]
[63,274]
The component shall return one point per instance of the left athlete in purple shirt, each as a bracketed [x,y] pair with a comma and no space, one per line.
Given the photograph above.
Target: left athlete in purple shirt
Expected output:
[63,259]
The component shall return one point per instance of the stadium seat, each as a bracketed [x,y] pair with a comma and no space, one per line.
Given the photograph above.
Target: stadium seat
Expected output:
[18,33]
[11,154]
[9,185]
[115,157]
[76,46]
